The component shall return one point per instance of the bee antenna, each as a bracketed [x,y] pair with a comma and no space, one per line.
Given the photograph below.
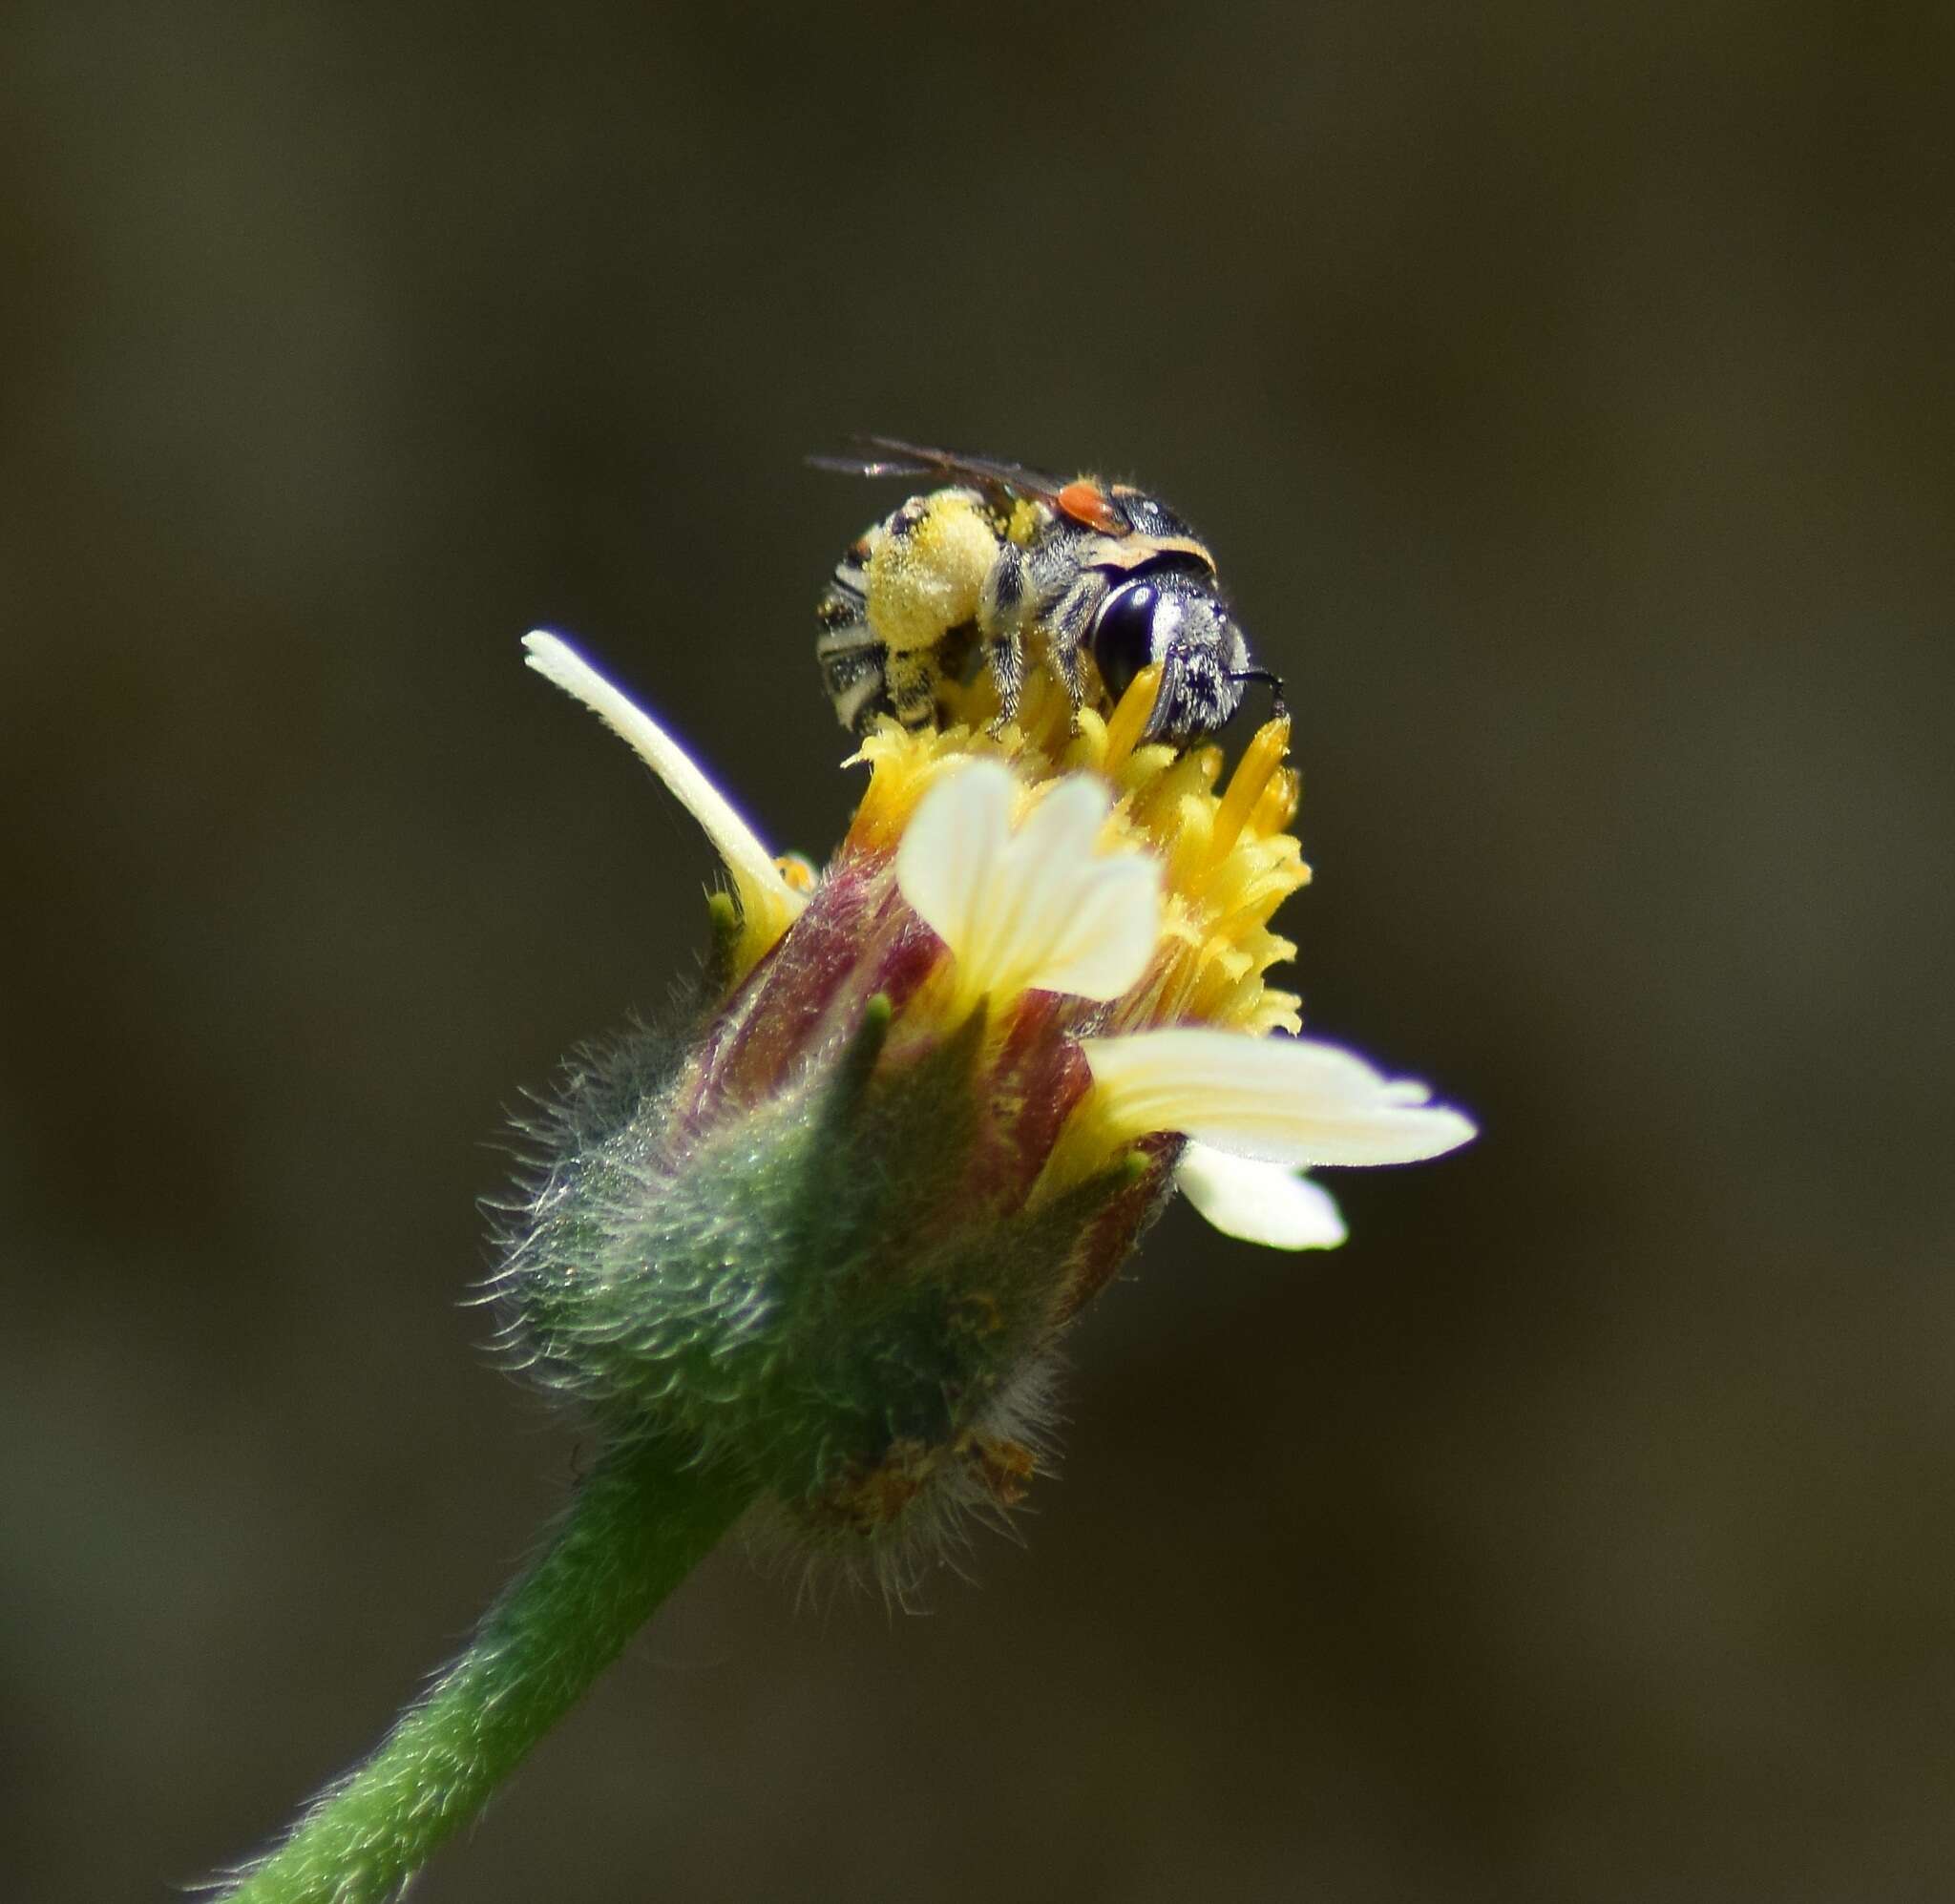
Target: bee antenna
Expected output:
[1274,683]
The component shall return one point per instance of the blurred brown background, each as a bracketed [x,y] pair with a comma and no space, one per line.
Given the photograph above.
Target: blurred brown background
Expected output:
[1568,393]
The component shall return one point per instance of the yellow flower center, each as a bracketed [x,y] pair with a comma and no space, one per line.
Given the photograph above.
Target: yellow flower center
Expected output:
[1229,857]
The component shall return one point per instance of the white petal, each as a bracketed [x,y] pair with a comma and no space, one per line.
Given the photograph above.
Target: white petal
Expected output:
[948,857]
[1294,1101]
[752,866]
[1260,1203]
[1039,910]
[1086,923]
[1107,926]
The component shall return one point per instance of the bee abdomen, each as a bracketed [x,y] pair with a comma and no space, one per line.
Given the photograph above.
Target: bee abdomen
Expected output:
[851,656]
[855,684]
[900,610]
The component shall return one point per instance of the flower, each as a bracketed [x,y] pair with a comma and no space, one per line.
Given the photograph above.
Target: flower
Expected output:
[1037,909]
[833,1227]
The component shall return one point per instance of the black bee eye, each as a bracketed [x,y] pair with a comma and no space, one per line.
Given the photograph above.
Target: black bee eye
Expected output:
[1123,636]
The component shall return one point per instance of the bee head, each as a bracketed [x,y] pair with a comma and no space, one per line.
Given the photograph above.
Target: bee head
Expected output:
[1174,617]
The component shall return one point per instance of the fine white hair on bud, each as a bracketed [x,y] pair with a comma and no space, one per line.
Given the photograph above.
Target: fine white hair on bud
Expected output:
[1267,1203]
[1036,909]
[1294,1101]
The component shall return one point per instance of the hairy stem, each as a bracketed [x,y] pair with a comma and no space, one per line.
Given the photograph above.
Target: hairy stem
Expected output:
[640,1521]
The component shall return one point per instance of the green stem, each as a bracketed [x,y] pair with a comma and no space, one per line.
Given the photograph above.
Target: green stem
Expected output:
[641,1519]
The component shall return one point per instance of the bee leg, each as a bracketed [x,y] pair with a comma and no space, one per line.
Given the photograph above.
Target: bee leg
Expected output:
[1065,633]
[910,680]
[1006,655]
[1001,620]
[1066,664]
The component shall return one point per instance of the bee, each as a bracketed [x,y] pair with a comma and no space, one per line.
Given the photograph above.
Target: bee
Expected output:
[1003,567]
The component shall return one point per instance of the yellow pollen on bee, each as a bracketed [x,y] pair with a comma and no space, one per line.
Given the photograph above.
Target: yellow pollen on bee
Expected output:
[931,577]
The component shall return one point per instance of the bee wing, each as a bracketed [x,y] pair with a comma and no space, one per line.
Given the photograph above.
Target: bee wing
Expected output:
[891,456]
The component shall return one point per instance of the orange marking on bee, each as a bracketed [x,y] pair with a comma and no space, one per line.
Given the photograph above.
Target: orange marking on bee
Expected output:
[1089,505]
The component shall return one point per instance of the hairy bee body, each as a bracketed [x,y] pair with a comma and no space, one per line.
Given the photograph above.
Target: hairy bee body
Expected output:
[1008,568]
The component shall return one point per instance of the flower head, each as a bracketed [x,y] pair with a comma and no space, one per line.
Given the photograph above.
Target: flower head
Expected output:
[835,1228]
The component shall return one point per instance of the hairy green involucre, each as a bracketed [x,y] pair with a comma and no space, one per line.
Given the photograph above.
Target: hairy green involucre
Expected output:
[800,1286]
